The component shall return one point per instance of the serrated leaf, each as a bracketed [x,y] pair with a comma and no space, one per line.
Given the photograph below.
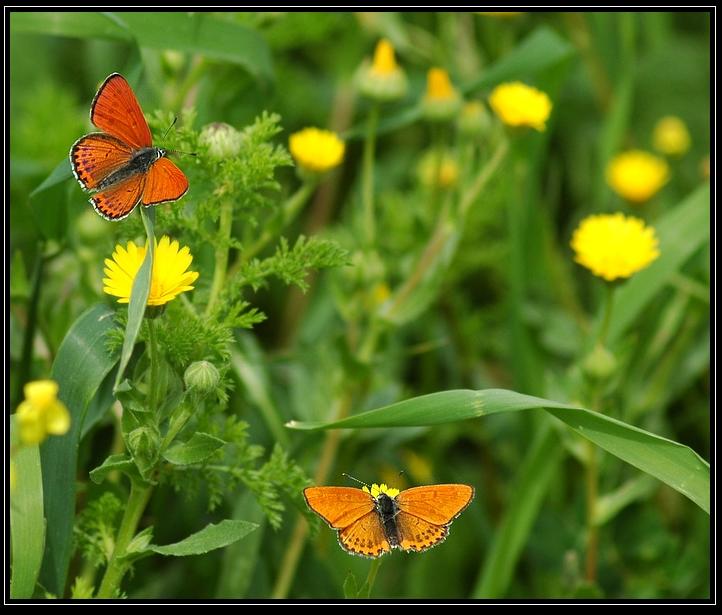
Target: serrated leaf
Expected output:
[197,449]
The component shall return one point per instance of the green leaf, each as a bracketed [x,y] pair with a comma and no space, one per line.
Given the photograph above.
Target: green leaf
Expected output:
[673,463]
[114,463]
[80,366]
[197,33]
[27,523]
[199,447]
[530,486]
[241,560]
[209,538]
[682,231]
[138,296]
[48,202]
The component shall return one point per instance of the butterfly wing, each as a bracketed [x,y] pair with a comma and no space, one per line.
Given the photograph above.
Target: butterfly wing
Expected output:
[425,514]
[339,506]
[119,200]
[365,537]
[115,110]
[95,156]
[437,504]
[164,182]
[416,534]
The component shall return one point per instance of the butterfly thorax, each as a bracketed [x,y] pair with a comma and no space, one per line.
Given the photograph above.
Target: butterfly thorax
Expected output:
[141,161]
[387,510]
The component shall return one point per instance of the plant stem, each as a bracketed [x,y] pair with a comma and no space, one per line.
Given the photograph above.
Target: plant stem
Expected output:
[592,470]
[367,178]
[154,366]
[222,248]
[371,578]
[117,567]
[30,327]
[288,213]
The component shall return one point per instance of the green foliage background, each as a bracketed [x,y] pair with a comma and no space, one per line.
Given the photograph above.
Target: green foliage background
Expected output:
[505,306]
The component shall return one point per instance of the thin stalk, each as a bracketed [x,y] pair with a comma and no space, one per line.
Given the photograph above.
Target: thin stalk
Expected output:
[222,248]
[30,327]
[367,181]
[154,366]
[117,567]
[371,578]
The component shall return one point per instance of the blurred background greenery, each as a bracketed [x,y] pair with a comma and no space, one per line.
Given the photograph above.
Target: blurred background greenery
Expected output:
[611,77]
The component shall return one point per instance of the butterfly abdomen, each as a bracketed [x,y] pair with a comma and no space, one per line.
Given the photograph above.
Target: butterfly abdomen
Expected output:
[140,163]
[387,509]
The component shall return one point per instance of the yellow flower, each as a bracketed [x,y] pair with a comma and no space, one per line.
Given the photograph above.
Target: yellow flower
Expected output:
[442,100]
[316,150]
[636,175]
[383,80]
[169,278]
[518,104]
[377,490]
[671,136]
[41,413]
[614,246]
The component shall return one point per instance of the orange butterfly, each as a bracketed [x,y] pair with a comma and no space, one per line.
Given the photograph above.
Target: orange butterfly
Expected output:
[120,166]
[371,522]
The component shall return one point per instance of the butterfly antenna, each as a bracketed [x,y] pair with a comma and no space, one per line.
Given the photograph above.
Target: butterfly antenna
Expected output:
[177,151]
[175,119]
[352,478]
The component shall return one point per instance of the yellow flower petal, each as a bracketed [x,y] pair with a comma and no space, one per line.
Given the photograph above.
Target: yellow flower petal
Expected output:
[41,393]
[170,276]
[614,246]
[518,104]
[636,175]
[316,150]
[57,419]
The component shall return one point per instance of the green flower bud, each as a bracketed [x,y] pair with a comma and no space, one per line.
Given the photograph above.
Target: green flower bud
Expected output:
[144,443]
[222,140]
[474,120]
[202,376]
[383,79]
[442,100]
[600,364]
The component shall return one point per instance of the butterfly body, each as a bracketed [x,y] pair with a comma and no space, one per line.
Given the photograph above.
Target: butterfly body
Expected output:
[120,166]
[373,522]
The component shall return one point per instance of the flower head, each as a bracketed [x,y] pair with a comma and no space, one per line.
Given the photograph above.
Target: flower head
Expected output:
[438,169]
[671,136]
[377,490]
[316,150]
[222,140]
[518,104]
[614,246]
[636,175]
[474,120]
[170,276]
[442,100]
[383,79]
[41,413]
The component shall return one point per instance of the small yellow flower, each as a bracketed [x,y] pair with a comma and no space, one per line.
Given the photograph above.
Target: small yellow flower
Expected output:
[41,413]
[383,80]
[316,150]
[442,100]
[636,175]
[614,246]
[377,490]
[671,136]
[169,278]
[518,104]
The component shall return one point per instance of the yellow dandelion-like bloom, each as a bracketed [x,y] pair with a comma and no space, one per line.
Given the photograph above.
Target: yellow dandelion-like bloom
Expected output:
[442,100]
[170,276]
[518,104]
[317,150]
[636,175]
[671,137]
[377,490]
[614,245]
[41,412]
